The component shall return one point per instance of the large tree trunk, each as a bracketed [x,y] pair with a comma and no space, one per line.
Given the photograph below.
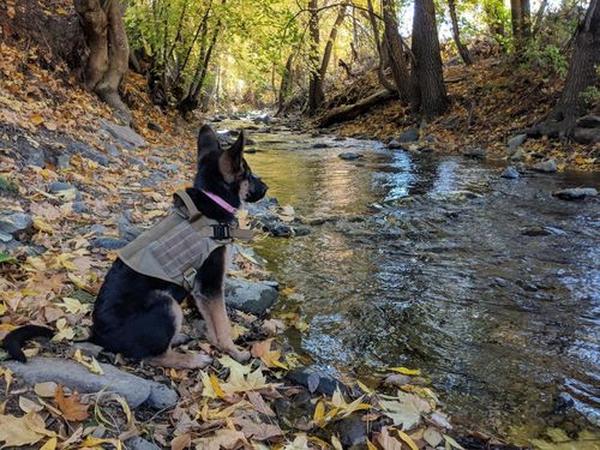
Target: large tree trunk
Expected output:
[396,51]
[583,73]
[348,112]
[462,48]
[380,50]
[285,87]
[109,51]
[429,92]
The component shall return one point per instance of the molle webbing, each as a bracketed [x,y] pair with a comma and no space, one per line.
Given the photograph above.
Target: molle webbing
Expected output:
[176,247]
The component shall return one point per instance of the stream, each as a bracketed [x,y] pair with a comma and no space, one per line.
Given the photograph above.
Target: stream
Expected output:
[490,286]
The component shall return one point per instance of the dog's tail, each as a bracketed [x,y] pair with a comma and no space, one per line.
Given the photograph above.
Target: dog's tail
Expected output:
[13,342]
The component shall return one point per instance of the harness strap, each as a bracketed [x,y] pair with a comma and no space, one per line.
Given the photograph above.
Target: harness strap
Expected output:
[193,213]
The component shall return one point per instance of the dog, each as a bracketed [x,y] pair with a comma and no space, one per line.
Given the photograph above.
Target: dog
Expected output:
[140,316]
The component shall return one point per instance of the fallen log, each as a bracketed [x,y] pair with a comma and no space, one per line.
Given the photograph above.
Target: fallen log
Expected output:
[348,112]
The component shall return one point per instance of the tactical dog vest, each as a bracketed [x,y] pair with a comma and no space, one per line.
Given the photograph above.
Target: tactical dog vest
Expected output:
[176,247]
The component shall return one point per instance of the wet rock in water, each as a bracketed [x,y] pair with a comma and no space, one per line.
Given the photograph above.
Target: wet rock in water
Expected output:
[321,145]
[410,135]
[254,297]
[302,231]
[155,127]
[5,237]
[315,380]
[59,186]
[13,223]
[249,141]
[536,231]
[394,144]
[112,150]
[511,173]
[124,135]
[575,193]
[62,161]
[138,443]
[352,432]
[350,156]
[518,155]
[80,207]
[109,243]
[36,157]
[171,167]
[516,141]
[548,166]
[135,390]
[475,153]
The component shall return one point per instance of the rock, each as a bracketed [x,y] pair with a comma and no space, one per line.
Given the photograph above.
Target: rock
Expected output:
[80,207]
[88,348]
[352,432]
[397,380]
[125,135]
[590,121]
[518,155]
[135,390]
[516,141]
[112,150]
[36,157]
[394,144]
[138,443]
[350,156]
[14,223]
[281,230]
[250,296]
[511,173]
[575,193]
[535,231]
[58,186]
[321,145]
[88,152]
[475,152]
[302,231]
[109,243]
[127,230]
[410,135]
[171,167]
[249,141]
[62,161]
[154,127]
[586,135]
[548,166]
[5,237]
[315,380]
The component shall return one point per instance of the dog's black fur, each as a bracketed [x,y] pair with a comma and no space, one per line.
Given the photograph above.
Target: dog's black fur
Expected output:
[134,313]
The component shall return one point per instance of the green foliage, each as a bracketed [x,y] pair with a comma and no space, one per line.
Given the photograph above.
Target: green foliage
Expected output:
[549,58]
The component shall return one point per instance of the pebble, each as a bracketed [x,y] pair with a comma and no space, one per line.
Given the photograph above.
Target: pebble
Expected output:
[15,222]
[511,173]
[475,153]
[516,141]
[548,166]
[350,156]
[410,135]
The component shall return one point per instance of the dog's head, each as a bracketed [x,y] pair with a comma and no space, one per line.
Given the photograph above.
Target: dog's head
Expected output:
[225,172]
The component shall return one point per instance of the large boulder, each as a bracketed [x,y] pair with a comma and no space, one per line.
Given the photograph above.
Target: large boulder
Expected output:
[576,193]
[409,135]
[515,142]
[137,391]
[254,297]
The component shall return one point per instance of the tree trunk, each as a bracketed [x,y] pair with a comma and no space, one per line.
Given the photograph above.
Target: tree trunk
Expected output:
[520,11]
[462,48]
[380,51]
[583,73]
[315,85]
[109,51]
[348,112]
[429,92]
[396,51]
[285,86]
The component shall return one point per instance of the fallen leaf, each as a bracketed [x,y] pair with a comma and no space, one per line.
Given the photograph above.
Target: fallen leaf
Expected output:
[259,403]
[181,442]
[270,357]
[450,442]
[388,442]
[406,438]
[47,389]
[17,431]
[50,444]
[28,405]
[432,436]
[258,431]
[406,411]
[71,408]
[406,371]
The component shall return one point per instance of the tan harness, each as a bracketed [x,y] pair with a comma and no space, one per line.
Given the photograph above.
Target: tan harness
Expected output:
[176,247]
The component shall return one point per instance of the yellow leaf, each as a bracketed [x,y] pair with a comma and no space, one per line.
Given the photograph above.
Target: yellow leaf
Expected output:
[41,225]
[16,431]
[94,442]
[46,389]
[319,414]
[364,387]
[336,443]
[50,444]
[370,445]
[406,371]
[36,119]
[214,382]
[92,365]
[406,438]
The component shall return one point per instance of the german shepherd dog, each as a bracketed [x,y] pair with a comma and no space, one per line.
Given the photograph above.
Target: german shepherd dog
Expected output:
[140,316]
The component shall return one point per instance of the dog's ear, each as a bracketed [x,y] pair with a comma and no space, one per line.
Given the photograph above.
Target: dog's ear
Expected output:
[207,141]
[231,160]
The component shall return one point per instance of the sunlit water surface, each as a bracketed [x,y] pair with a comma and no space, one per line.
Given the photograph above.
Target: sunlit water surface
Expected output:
[432,264]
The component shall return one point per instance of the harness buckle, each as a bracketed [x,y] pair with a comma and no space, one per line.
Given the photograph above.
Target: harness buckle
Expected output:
[189,276]
[221,231]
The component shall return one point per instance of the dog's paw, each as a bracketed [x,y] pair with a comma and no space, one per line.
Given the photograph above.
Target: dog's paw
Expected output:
[240,356]
[200,361]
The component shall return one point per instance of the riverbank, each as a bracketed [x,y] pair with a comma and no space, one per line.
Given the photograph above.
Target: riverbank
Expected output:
[491,106]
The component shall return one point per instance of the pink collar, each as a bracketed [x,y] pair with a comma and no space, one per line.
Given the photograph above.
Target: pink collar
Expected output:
[219,201]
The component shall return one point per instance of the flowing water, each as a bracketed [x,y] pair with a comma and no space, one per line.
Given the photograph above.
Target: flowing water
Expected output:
[490,286]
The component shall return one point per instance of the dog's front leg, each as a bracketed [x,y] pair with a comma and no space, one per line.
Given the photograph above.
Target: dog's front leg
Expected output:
[218,326]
